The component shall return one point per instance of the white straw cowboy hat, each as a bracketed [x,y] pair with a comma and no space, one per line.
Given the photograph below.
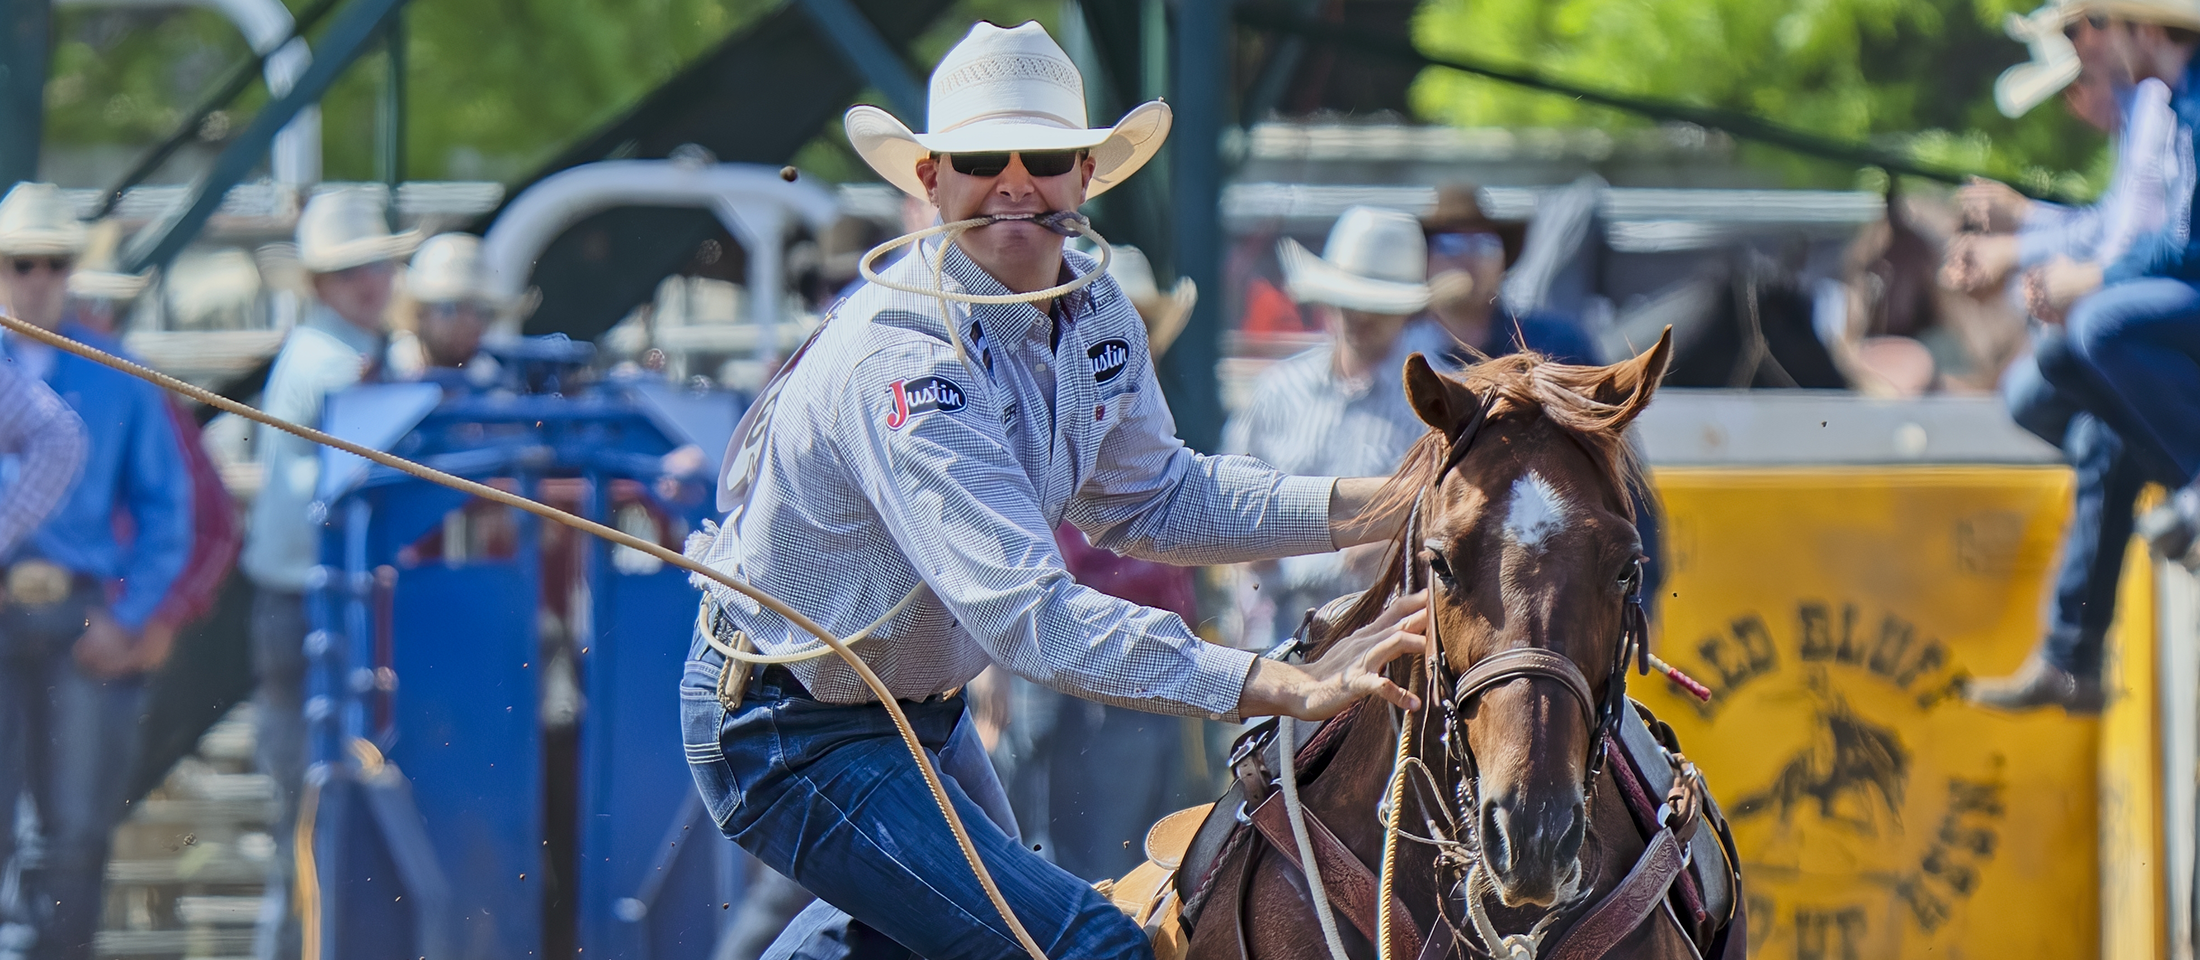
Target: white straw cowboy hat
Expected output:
[2054,61]
[1007,89]
[2168,13]
[344,228]
[37,221]
[449,269]
[1375,260]
[1165,313]
[98,275]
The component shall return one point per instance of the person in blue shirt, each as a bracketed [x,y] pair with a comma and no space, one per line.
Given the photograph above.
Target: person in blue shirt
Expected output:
[1468,254]
[78,596]
[2134,323]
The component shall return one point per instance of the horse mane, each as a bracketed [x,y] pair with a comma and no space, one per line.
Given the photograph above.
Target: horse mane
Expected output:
[1519,386]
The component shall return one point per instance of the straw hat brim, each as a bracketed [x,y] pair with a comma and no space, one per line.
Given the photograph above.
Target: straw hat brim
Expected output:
[893,150]
[1166,314]
[107,284]
[2168,13]
[357,253]
[2029,84]
[43,242]
[1312,279]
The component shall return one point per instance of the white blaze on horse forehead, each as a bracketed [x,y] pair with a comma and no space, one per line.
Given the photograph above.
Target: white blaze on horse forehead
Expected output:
[1536,513]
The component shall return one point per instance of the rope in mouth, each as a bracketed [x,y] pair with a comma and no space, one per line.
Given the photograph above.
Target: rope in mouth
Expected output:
[1068,223]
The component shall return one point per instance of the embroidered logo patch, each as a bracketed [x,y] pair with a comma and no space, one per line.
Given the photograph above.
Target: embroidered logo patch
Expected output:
[924,394]
[1109,359]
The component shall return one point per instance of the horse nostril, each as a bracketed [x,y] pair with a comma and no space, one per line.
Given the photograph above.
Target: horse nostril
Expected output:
[1496,848]
[1569,840]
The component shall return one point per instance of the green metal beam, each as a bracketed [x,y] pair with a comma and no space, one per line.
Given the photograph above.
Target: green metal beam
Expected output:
[1368,43]
[26,40]
[355,29]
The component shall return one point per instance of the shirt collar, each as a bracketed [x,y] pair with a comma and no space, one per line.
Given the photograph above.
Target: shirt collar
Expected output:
[1010,322]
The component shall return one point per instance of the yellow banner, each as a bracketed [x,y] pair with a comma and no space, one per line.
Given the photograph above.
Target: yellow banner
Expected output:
[1832,611]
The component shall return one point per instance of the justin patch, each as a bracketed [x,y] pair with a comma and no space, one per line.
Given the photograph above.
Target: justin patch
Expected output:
[1109,359]
[922,395]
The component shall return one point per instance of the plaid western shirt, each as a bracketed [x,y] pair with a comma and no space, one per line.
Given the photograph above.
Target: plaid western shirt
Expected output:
[42,442]
[881,459]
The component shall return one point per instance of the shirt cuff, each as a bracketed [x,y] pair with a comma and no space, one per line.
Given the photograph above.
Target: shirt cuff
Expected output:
[1303,513]
[1218,679]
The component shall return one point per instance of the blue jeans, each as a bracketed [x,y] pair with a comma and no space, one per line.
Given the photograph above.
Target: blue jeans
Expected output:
[2141,339]
[2109,477]
[827,795]
[71,740]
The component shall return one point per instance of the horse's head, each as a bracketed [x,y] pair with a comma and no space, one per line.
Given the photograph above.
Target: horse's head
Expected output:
[1529,539]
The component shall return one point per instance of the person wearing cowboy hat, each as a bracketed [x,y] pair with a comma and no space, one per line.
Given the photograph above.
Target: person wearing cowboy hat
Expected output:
[915,455]
[2137,340]
[1084,776]
[350,258]
[78,597]
[1339,408]
[454,303]
[2065,668]
[1468,256]
[100,296]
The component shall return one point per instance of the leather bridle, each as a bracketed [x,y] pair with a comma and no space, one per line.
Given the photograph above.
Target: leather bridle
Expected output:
[1460,695]
[1601,716]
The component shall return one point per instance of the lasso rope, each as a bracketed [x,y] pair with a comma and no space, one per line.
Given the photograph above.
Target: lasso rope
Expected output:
[1064,222]
[832,644]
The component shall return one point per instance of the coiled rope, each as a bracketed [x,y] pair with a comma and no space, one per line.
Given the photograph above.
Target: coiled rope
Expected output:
[831,644]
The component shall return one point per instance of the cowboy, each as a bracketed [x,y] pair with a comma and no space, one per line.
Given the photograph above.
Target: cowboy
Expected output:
[2065,668]
[79,596]
[350,257]
[454,303]
[1468,256]
[915,456]
[2138,338]
[100,296]
[1338,409]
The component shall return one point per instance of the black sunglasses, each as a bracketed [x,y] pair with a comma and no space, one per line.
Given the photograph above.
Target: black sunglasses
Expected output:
[24,266]
[2094,20]
[1038,163]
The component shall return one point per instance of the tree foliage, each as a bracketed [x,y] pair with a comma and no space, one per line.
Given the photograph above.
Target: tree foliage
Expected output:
[1911,73]
[494,87]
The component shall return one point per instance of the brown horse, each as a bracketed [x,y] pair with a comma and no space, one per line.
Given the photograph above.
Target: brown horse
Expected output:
[1514,815]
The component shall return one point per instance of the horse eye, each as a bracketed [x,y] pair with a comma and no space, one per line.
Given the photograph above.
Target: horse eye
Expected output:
[1440,567]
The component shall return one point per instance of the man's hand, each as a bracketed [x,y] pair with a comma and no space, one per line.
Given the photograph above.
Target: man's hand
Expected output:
[1992,206]
[107,650]
[2049,291]
[1347,671]
[1978,261]
[154,645]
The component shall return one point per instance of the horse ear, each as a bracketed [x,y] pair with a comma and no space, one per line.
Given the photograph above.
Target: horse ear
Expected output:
[1435,397]
[1629,384]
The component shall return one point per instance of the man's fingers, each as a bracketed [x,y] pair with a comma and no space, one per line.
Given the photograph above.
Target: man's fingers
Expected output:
[1397,695]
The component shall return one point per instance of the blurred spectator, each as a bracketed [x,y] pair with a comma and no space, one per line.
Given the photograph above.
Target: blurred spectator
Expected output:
[1338,409]
[453,305]
[2134,342]
[346,247]
[2065,669]
[1084,777]
[1468,254]
[101,296]
[73,628]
